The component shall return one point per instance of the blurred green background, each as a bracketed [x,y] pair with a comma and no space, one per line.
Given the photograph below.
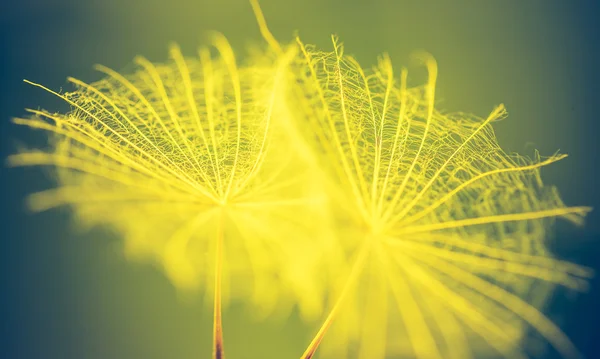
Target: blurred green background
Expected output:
[68,294]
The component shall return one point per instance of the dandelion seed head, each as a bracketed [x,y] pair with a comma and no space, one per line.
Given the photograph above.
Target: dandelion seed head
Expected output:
[449,231]
[169,154]
[300,179]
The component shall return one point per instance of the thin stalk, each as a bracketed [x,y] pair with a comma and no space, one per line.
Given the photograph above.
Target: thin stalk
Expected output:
[352,279]
[218,350]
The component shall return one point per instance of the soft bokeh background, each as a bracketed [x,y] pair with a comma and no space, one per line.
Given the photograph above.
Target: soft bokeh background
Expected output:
[67,294]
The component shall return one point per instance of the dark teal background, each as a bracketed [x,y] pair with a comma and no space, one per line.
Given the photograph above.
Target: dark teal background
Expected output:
[67,294]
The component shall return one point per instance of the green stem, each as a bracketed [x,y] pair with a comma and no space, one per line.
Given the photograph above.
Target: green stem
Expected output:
[218,350]
[352,279]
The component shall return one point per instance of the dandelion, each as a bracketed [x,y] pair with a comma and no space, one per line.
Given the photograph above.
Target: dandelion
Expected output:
[435,235]
[446,231]
[184,161]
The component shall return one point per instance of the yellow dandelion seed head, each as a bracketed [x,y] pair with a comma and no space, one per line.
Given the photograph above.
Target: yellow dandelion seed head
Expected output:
[301,179]
[448,238]
[174,154]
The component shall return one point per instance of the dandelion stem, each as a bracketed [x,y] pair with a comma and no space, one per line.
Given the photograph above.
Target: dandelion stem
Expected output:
[218,350]
[264,29]
[354,275]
